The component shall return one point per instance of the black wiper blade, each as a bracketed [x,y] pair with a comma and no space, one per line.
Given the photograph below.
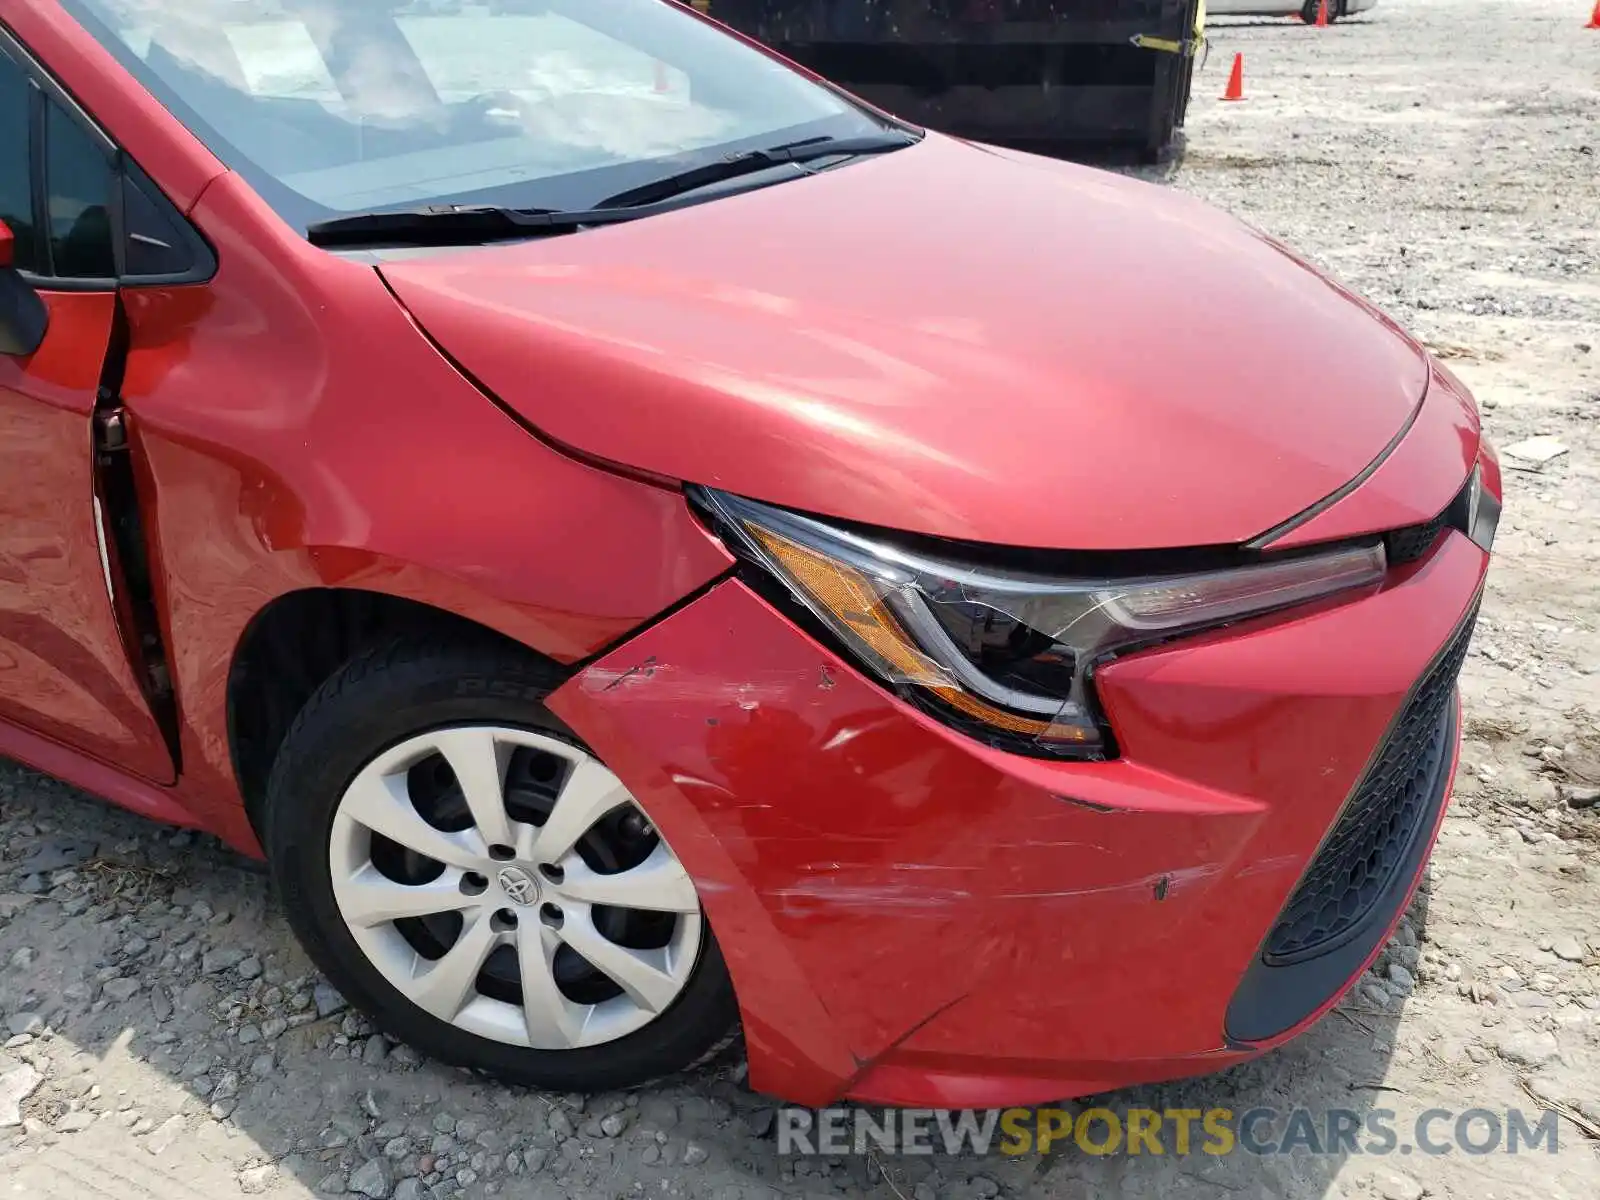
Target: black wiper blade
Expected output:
[748,162]
[469,224]
[454,225]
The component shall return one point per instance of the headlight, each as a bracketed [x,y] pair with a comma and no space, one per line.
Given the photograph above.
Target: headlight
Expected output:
[1005,655]
[1483,511]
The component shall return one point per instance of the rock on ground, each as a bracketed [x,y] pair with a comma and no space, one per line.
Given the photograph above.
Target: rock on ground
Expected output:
[16,1085]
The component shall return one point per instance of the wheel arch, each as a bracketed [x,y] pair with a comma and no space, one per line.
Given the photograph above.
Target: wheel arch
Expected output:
[295,642]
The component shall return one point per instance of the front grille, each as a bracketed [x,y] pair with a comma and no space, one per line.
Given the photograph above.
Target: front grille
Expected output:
[1378,824]
[1406,545]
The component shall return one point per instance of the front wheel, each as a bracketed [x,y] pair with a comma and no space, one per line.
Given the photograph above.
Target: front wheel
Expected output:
[466,872]
[1308,11]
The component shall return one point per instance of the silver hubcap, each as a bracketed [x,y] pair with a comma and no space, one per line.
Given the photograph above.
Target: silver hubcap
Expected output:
[507,883]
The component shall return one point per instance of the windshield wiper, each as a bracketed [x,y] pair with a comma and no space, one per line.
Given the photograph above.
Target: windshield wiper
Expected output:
[455,225]
[468,224]
[748,162]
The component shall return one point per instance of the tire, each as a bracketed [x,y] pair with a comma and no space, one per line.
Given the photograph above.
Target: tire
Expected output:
[1308,11]
[348,761]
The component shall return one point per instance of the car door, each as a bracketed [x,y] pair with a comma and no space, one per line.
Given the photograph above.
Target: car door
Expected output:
[81,660]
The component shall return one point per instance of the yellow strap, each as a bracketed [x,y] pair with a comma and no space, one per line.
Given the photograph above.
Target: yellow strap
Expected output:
[1145,42]
[1167,46]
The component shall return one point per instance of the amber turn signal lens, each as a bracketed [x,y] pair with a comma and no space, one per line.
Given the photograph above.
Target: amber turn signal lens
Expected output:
[857,607]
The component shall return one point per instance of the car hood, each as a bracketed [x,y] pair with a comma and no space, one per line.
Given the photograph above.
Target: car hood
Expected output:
[946,339]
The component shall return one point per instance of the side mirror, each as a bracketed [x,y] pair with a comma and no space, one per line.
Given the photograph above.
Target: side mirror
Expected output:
[24,316]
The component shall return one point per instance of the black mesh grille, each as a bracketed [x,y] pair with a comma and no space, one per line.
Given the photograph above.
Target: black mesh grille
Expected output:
[1411,543]
[1407,545]
[1379,822]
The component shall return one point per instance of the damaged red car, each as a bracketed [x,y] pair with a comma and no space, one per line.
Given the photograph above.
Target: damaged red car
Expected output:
[660,556]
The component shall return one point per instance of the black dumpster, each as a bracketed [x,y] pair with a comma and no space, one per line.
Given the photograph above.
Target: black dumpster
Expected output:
[1059,77]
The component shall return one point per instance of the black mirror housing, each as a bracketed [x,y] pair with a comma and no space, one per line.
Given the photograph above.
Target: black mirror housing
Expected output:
[24,316]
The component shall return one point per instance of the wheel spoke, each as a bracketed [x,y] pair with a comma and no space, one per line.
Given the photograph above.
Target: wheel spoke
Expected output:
[639,973]
[553,1021]
[446,986]
[479,763]
[589,793]
[370,898]
[382,804]
[527,839]
[658,884]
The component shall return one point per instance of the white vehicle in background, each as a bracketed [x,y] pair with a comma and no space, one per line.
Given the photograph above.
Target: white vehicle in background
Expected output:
[1283,8]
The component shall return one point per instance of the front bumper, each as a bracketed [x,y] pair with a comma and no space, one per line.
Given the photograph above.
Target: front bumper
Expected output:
[912,918]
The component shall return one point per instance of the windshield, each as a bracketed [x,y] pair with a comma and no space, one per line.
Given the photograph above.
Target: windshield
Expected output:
[331,107]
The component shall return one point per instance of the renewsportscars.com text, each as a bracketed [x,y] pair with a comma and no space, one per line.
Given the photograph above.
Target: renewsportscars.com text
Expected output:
[1172,1131]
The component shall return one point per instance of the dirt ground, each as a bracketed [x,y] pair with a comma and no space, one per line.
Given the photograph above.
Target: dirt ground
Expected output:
[163,1037]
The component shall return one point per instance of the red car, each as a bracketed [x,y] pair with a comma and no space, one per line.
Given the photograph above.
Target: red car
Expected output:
[654,551]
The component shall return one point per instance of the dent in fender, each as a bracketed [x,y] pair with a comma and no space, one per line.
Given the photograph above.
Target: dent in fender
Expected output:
[298,432]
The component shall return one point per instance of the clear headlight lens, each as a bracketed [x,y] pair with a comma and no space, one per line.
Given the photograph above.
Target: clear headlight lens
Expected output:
[1007,655]
[1483,511]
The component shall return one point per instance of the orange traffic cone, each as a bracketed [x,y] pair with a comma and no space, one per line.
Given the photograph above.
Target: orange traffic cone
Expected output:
[1594,21]
[1236,80]
[1322,14]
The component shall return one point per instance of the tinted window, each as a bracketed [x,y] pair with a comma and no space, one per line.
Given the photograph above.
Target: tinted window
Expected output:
[159,241]
[339,106]
[81,183]
[16,188]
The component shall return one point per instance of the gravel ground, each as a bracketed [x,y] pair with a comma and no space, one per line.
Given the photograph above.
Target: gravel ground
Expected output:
[166,1038]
